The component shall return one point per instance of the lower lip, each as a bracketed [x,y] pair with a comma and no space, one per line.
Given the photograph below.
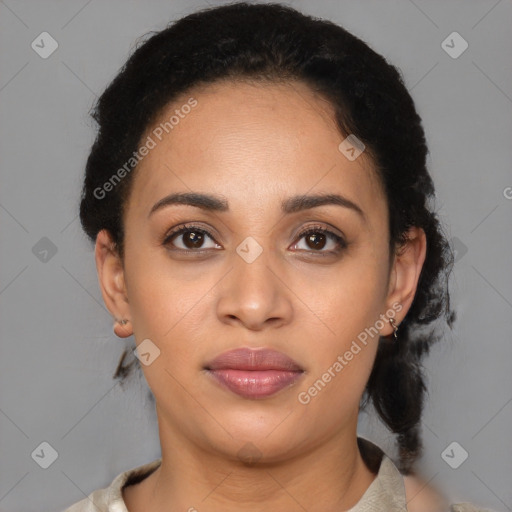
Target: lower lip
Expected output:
[255,384]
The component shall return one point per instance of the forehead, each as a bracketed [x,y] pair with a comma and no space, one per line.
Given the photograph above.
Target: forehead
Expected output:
[252,143]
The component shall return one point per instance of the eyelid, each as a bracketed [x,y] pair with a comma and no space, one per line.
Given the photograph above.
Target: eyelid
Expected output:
[322,227]
[329,232]
[183,228]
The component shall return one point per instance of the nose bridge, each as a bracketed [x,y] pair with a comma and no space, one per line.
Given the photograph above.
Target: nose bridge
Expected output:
[253,278]
[254,292]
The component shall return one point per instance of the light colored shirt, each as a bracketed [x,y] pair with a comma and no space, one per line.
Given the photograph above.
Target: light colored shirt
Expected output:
[385,494]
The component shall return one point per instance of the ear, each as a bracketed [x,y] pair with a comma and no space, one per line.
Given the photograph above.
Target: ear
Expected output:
[112,284]
[405,274]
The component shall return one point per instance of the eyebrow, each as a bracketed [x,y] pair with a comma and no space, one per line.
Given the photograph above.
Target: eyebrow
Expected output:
[290,205]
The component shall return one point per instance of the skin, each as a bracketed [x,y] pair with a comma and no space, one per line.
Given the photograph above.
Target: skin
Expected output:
[255,145]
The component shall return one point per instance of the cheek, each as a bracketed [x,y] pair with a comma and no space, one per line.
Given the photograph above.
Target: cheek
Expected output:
[342,358]
[162,297]
[168,310]
[352,301]
[169,307]
[344,354]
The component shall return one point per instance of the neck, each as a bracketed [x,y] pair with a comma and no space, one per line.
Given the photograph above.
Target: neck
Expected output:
[332,476]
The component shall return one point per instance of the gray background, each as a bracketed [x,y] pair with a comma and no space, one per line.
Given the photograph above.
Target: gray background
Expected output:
[58,352]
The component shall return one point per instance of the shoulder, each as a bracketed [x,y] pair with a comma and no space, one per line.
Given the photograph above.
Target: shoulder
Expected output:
[422,497]
[111,498]
[97,501]
[467,507]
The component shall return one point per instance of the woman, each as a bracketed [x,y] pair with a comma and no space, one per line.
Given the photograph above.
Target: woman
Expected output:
[258,198]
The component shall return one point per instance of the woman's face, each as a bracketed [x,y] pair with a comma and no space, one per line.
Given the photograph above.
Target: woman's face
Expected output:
[253,279]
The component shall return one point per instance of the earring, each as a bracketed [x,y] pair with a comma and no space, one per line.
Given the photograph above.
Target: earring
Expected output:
[395,327]
[120,321]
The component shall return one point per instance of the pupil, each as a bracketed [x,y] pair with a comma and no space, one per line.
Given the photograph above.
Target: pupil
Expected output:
[313,238]
[194,238]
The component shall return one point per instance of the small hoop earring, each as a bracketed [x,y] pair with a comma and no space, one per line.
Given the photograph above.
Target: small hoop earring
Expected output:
[395,327]
[122,321]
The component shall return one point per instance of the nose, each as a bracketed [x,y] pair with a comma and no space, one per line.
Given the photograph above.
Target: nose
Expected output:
[254,295]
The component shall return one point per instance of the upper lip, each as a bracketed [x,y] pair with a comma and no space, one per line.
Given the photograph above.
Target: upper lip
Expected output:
[253,359]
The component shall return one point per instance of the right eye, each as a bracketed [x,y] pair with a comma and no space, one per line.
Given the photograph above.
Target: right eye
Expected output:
[193,238]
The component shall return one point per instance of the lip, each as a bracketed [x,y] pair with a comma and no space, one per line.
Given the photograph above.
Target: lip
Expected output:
[254,373]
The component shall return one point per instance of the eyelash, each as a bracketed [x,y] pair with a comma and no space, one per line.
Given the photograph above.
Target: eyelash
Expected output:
[312,229]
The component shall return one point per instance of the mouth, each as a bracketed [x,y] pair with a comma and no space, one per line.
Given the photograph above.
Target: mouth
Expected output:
[254,373]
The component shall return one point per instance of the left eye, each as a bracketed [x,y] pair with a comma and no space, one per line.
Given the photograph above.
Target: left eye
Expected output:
[318,238]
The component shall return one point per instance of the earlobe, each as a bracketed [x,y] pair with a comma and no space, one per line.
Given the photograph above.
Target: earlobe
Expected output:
[405,274]
[111,280]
